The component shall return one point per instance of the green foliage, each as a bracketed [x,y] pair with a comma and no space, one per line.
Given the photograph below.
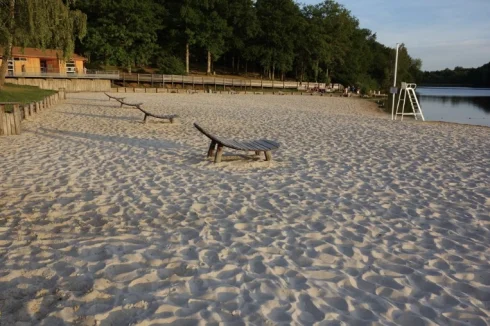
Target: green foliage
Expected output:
[39,23]
[322,42]
[23,94]
[171,65]
[476,77]
[121,32]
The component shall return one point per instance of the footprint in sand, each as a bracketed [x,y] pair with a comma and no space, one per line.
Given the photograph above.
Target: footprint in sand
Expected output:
[256,265]
[309,311]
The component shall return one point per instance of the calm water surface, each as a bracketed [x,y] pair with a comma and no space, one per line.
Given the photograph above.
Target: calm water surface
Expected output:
[456,104]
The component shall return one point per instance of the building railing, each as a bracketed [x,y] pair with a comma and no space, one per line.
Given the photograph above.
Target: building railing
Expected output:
[224,82]
[182,80]
[88,74]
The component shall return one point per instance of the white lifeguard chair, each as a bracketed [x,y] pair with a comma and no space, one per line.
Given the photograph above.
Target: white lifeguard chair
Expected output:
[409,90]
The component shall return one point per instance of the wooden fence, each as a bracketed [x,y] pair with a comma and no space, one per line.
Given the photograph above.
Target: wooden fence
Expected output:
[12,114]
[172,81]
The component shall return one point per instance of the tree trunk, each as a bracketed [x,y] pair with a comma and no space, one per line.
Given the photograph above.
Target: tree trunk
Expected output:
[187,57]
[246,67]
[209,63]
[7,51]
[317,68]
[273,70]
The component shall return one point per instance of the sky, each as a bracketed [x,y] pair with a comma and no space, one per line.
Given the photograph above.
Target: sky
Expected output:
[443,33]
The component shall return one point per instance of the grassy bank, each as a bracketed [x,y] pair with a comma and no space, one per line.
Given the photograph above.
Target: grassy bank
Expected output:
[23,94]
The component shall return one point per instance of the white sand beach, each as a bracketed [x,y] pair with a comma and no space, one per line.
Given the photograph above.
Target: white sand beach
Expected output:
[358,220]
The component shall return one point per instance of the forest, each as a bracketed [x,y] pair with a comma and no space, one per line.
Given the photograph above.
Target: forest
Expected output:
[275,39]
[471,77]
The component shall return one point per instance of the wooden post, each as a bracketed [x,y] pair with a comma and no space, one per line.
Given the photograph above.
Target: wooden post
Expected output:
[25,111]
[32,108]
[219,153]
[215,84]
[183,82]
[268,155]
[283,84]
[211,148]
[172,80]
[10,123]
[262,82]
[138,78]
[193,86]
[163,81]
[151,80]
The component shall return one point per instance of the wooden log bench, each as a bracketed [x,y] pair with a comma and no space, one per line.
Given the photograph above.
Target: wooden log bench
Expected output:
[171,117]
[128,104]
[119,99]
[257,146]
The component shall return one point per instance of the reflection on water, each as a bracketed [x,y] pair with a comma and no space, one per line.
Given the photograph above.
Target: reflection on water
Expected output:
[482,103]
[460,105]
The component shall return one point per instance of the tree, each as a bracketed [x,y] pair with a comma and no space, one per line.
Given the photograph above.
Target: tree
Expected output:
[242,18]
[279,22]
[205,25]
[38,23]
[122,32]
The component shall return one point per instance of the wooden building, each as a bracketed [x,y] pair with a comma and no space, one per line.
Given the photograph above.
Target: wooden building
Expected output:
[33,61]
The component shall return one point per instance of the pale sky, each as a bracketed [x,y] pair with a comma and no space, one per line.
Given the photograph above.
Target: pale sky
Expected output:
[443,33]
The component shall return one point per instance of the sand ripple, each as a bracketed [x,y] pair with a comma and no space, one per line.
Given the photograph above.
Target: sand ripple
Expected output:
[357,221]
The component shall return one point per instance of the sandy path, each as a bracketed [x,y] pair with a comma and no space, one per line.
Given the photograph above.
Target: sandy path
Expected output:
[107,221]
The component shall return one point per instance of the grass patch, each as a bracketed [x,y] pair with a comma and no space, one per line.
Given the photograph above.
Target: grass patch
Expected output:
[23,94]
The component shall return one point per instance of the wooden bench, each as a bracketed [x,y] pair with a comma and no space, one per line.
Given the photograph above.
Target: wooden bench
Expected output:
[257,146]
[170,117]
[114,97]
[128,104]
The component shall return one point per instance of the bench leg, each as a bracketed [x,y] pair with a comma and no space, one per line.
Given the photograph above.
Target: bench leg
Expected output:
[219,152]
[144,119]
[211,148]
[257,152]
[268,156]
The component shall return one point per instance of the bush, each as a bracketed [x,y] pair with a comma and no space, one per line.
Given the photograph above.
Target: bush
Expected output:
[171,65]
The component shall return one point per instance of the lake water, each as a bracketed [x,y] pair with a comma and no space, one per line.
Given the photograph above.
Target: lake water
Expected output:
[456,104]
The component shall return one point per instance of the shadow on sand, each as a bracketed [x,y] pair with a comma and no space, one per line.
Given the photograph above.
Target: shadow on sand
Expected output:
[135,142]
[101,116]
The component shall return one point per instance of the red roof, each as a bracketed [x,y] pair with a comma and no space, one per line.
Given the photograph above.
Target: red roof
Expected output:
[39,53]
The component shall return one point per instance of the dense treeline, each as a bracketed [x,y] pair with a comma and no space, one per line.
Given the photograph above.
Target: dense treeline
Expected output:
[277,39]
[38,23]
[476,77]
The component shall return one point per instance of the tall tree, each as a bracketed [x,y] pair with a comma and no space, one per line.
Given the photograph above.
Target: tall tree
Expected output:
[38,23]
[242,18]
[279,20]
[121,32]
[206,26]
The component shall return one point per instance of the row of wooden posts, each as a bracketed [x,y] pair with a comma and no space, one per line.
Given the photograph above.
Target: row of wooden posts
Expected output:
[12,114]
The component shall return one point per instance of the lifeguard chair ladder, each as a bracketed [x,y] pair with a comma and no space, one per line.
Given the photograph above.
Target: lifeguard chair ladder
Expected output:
[409,90]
